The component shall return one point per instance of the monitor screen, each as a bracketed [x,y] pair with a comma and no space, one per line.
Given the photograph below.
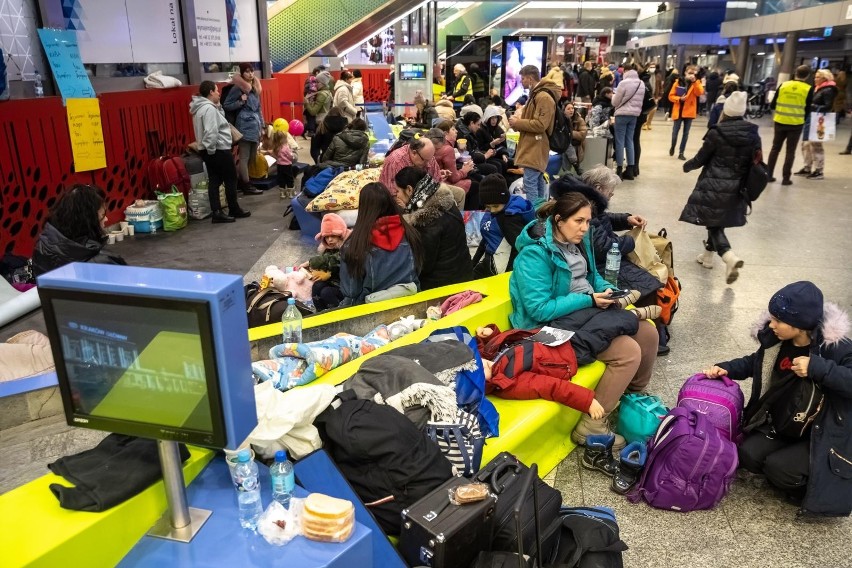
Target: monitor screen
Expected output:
[412,71]
[475,54]
[133,365]
[519,51]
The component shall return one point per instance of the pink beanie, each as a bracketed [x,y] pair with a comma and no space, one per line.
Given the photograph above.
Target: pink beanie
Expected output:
[333,225]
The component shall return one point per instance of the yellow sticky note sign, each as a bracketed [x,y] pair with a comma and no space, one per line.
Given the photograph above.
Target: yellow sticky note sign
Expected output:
[87,134]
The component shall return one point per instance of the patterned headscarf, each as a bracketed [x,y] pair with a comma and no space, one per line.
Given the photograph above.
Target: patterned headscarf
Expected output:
[424,189]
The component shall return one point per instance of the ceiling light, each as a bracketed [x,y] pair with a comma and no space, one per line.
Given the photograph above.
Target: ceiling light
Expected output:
[761,53]
[560,39]
[561,30]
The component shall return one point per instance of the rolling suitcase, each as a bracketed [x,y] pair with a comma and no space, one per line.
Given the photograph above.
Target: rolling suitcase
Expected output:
[439,534]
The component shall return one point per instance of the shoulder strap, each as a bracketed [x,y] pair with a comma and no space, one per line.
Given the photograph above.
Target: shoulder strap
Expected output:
[626,100]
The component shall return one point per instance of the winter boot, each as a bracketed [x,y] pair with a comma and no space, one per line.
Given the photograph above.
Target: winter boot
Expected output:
[733,263]
[663,331]
[619,172]
[628,173]
[631,463]
[705,259]
[598,454]
[636,170]
[600,427]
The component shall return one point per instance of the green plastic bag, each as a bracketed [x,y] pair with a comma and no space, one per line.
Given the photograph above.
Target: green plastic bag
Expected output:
[639,416]
[174,210]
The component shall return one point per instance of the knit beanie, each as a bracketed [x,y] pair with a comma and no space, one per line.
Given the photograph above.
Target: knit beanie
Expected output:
[324,78]
[798,304]
[246,67]
[735,104]
[333,225]
[493,190]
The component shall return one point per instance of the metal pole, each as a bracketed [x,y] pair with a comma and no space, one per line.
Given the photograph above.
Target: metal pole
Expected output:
[173,481]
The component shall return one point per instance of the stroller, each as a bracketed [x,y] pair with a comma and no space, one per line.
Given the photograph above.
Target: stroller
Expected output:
[757,104]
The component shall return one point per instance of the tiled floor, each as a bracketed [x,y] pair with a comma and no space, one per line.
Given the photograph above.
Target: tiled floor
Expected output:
[794,233]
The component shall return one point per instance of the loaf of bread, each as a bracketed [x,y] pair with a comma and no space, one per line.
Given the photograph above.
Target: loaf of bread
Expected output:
[327,519]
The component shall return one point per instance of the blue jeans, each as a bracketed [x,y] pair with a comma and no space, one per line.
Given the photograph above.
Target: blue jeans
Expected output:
[687,123]
[534,185]
[625,126]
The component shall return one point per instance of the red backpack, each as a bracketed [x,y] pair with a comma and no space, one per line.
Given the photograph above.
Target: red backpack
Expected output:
[167,171]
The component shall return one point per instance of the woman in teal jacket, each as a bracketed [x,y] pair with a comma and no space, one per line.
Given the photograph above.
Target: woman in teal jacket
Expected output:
[554,276]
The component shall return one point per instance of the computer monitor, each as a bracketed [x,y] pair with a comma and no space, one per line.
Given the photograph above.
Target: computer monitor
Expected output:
[412,71]
[154,353]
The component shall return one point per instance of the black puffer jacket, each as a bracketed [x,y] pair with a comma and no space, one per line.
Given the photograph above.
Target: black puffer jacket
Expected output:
[348,148]
[726,157]
[446,258]
[605,222]
[823,100]
[829,490]
[54,249]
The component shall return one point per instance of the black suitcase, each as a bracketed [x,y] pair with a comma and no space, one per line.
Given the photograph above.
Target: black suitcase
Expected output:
[505,474]
[439,534]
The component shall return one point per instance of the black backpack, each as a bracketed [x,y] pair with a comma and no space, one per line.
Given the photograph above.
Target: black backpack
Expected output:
[230,115]
[387,460]
[560,138]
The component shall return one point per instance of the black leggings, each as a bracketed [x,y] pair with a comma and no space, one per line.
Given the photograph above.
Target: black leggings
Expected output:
[717,240]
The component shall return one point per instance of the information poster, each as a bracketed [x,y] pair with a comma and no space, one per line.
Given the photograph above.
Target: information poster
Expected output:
[87,135]
[63,53]
[211,22]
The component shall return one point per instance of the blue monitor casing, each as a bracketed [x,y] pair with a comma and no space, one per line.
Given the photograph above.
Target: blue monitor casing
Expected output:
[151,352]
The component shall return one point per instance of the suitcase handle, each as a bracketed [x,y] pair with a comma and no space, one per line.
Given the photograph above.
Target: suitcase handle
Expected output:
[498,472]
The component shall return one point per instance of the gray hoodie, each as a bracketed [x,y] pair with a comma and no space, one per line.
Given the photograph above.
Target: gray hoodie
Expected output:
[211,128]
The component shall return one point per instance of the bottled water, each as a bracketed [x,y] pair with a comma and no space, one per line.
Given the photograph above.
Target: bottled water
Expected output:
[291,323]
[283,479]
[248,490]
[39,86]
[613,265]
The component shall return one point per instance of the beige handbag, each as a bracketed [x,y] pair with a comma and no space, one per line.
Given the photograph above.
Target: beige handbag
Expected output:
[236,135]
[645,255]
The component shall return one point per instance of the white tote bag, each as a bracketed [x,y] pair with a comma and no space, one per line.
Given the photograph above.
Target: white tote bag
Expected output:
[823,126]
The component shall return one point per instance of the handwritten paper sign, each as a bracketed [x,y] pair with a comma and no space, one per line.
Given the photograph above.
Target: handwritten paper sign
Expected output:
[63,53]
[87,135]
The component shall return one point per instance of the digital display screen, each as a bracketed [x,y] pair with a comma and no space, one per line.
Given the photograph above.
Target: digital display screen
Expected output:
[475,54]
[143,364]
[412,71]
[518,52]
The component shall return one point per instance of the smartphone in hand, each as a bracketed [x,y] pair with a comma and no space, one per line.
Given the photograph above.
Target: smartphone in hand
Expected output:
[616,294]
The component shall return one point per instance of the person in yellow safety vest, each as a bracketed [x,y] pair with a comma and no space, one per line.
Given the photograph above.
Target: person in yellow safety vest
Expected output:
[791,104]
[463,86]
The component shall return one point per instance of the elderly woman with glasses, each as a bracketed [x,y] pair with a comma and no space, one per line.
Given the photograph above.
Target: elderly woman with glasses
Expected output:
[74,231]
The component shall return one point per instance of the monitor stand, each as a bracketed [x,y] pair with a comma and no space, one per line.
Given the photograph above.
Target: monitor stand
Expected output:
[179,522]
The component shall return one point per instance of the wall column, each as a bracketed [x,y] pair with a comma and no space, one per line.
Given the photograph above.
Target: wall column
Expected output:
[788,57]
[742,58]
[681,57]
[190,43]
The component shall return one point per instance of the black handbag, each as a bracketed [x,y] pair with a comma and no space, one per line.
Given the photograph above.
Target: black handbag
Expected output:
[757,177]
[793,405]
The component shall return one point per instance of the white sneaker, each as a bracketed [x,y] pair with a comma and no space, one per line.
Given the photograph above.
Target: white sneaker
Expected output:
[705,259]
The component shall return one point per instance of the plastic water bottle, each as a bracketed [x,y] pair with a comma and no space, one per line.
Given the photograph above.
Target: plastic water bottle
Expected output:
[613,265]
[248,490]
[291,323]
[283,478]
[39,86]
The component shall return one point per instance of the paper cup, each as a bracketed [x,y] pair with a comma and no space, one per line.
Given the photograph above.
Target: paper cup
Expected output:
[119,236]
[131,230]
[124,225]
[111,239]
[461,143]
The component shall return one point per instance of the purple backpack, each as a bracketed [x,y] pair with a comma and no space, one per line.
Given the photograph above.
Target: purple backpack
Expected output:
[690,464]
[720,400]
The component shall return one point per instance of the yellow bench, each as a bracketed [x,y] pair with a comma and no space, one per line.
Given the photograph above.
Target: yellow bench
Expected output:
[35,531]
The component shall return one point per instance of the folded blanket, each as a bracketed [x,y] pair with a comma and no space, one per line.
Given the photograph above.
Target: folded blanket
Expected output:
[157,80]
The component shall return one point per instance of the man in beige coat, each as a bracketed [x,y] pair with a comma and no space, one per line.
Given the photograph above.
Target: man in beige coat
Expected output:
[535,125]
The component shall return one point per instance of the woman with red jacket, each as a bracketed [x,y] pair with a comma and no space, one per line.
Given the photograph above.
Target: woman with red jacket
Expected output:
[684,96]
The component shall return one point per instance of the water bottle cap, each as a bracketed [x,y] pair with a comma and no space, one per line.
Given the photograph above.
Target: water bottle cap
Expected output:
[291,301]
[243,456]
[281,456]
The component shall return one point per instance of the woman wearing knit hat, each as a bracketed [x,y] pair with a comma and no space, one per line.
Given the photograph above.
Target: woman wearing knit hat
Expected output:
[717,201]
[244,100]
[802,343]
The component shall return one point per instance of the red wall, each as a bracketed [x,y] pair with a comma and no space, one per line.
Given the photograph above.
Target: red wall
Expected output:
[291,88]
[36,161]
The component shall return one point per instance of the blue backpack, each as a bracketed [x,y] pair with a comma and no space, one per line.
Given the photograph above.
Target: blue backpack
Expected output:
[320,181]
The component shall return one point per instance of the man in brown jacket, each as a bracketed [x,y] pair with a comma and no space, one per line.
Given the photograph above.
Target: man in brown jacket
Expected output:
[535,125]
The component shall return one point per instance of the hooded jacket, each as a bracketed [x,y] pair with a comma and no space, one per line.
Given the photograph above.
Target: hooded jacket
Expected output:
[54,249]
[536,125]
[345,100]
[688,107]
[600,114]
[712,85]
[829,491]
[541,279]
[605,223]
[629,95]
[348,148]
[249,115]
[445,110]
[496,253]
[587,84]
[212,129]
[389,262]
[726,156]
[486,133]
[446,258]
